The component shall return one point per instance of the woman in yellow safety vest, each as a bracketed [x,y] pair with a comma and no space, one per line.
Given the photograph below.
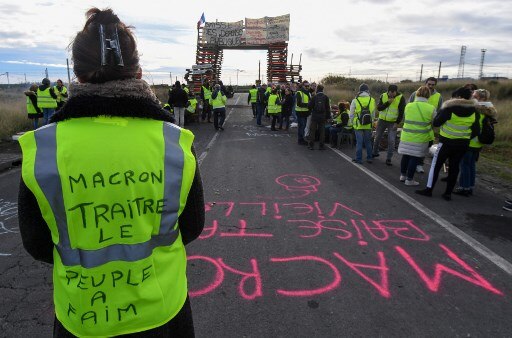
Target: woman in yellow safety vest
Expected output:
[416,134]
[458,122]
[110,194]
[467,175]
[34,113]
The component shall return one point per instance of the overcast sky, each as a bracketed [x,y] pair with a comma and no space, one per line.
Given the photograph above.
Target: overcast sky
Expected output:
[366,38]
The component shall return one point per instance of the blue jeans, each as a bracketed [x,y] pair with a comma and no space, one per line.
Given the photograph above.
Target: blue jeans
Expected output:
[333,133]
[468,170]
[301,125]
[408,166]
[363,135]
[260,109]
[47,114]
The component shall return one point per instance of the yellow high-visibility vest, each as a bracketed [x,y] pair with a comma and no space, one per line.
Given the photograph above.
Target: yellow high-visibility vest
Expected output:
[113,208]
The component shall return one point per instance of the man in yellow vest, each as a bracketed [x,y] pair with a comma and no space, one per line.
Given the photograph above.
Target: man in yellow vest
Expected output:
[391,110]
[33,111]
[251,99]
[362,113]
[218,102]
[459,123]
[302,109]
[206,94]
[62,93]
[435,100]
[46,100]
[110,195]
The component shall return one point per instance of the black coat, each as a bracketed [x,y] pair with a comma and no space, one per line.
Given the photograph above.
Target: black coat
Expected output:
[178,97]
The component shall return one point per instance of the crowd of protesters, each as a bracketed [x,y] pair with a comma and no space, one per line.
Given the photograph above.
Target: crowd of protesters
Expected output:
[405,126]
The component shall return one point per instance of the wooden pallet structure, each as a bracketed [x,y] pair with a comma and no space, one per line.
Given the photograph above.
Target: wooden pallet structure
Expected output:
[209,58]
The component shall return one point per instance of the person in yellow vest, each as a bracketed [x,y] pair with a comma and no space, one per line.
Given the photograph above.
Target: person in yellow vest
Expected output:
[362,113]
[206,94]
[110,195]
[33,111]
[467,175]
[218,102]
[46,100]
[302,109]
[391,111]
[458,122]
[435,100]
[417,134]
[191,108]
[339,123]
[251,99]
[274,107]
[62,93]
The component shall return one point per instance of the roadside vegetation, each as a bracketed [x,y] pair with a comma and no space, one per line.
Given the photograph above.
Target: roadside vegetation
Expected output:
[495,161]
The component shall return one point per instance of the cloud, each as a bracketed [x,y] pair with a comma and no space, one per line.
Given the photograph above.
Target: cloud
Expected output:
[167,34]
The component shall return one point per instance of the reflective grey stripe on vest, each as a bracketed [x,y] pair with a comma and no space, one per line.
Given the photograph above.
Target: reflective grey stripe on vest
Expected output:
[46,174]
[464,133]
[418,123]
[416,131]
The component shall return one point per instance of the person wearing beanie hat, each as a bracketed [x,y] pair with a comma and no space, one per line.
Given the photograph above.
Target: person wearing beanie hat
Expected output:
[46,99]
[391,108]
[459,123]
[364,88]
[178,99]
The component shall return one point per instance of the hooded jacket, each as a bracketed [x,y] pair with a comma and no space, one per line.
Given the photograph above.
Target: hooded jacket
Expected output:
[461,108]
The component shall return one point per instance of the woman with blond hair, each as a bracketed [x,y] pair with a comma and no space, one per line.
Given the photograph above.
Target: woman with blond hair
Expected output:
[416,134]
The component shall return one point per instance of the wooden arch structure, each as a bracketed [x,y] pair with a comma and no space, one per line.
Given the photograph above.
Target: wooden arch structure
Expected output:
[268,33]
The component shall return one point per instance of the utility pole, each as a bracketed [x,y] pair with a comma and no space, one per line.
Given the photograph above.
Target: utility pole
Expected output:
[439,72]
[46,73]
[25,77]
[259,70]
[421,72]
[69,75]
[481,64]
[8,84]
[170,76]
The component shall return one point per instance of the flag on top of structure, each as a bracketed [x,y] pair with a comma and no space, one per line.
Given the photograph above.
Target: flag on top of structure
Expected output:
[201,21]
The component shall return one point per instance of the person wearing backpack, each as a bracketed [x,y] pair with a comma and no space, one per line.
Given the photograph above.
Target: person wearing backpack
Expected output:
[486,121]
[320,113]
[362,113]
[391,110]
[458,122]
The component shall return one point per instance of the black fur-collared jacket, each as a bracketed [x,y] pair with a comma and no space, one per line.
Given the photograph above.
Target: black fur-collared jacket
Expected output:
[461,108]
[124,98]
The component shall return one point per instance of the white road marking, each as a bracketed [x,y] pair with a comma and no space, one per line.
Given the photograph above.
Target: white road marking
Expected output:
[214,138]
[473,243]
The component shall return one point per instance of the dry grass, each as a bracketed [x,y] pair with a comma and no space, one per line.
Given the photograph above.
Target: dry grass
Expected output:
[13,113]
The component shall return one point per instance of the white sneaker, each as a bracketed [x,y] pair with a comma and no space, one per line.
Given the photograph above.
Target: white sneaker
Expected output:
[419,169]
[411,183]
[402,178]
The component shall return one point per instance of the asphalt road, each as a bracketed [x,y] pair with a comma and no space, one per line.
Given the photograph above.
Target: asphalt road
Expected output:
[301,243]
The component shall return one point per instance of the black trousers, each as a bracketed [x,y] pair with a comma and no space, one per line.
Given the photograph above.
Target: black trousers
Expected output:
[181,325]
[452,153]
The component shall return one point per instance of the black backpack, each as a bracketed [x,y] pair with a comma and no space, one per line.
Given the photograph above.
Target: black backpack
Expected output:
[487,133]
[365,116]
[319,110]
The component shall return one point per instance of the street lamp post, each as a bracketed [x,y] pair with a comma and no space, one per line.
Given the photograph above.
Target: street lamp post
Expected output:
[238,71]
